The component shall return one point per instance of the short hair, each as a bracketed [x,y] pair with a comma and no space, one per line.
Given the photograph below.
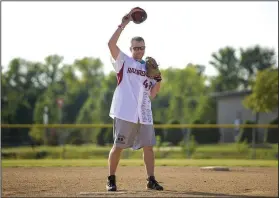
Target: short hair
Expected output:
[137,38]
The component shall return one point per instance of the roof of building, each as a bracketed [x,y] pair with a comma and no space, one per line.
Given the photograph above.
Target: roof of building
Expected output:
[230,93]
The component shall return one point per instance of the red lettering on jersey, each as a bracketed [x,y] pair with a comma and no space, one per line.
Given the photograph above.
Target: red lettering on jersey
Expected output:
[120,75]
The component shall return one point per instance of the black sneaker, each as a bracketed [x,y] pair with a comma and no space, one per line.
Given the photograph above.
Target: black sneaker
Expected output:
[152,184]
[111,183]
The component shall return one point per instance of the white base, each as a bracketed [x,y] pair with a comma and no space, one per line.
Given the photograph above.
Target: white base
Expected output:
[215,168]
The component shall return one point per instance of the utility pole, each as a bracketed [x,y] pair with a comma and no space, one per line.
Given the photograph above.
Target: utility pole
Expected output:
[45,119]
[60,103]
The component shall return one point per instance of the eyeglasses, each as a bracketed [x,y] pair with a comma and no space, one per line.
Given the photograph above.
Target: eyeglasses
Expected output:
[139,48]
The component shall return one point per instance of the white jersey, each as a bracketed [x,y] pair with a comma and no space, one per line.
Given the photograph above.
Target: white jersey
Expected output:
[131,100]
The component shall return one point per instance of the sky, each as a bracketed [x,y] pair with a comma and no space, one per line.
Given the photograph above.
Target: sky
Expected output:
[175,33]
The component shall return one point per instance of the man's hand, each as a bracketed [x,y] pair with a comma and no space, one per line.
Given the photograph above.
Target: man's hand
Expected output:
[126,19]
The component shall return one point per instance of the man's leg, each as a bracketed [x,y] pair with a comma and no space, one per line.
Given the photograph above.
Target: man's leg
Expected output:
[148,157]
[113,160]
[123,133]
[146,140]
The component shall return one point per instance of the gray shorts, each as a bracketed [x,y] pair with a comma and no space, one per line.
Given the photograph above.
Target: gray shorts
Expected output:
[131,135]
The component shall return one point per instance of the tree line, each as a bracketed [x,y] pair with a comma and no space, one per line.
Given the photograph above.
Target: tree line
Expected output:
[28,86]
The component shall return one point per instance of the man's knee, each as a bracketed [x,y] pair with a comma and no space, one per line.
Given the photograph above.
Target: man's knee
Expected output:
[148,149]
[116,149]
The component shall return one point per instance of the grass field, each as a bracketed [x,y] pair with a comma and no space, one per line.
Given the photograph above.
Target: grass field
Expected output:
[139,162]
[219,151]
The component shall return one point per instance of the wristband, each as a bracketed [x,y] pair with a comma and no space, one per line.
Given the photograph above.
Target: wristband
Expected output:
[122,27]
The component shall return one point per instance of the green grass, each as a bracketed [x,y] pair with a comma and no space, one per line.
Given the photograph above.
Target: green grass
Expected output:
[83,148]
[219,151]
[139,162]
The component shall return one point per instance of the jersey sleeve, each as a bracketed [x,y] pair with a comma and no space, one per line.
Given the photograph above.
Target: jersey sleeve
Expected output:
[118,63]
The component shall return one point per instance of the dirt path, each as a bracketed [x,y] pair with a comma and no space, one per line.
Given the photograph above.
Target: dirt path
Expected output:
[177,181]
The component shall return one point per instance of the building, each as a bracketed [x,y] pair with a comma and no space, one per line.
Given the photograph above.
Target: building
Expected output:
[230,107]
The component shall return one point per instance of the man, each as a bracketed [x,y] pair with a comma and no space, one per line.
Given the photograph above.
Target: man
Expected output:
[237,122]
[131,107]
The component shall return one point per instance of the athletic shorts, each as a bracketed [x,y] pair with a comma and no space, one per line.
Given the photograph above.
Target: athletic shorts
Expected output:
[131,135]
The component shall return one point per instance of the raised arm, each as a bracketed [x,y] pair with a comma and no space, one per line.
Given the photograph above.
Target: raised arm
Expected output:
[112,44]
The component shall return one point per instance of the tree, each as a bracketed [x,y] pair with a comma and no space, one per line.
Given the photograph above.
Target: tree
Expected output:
[255,59]
[174,135]
[239,72]
[264,97]
[199,68]
[227,65]
[21,87]
[188,94]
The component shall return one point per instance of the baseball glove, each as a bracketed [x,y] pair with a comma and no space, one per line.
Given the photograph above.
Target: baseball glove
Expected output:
[152,69]
[138,15]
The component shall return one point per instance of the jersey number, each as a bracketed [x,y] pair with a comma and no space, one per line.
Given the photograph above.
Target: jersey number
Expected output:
[147,85]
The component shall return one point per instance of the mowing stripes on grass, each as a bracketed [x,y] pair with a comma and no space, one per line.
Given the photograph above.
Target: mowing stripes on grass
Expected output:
[139,162]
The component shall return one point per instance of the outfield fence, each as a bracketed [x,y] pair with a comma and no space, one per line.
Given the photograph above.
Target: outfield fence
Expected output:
[187,145]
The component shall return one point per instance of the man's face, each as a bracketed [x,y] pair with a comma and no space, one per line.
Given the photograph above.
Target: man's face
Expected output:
[137,49]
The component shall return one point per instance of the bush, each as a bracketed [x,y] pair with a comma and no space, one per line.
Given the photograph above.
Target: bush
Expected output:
[75,137]
[174,135]
[37,134]
[103,136]
[246,134]
[159,132]
[99,137]
[109,136]
[206,135]
[158,142]
[272,134]
[242,147]
[53,137]
[191,148]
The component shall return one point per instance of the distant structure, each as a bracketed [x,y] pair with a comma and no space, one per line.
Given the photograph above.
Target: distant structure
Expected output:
[230,110]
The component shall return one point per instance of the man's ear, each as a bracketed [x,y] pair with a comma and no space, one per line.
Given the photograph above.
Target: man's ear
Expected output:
[130,49]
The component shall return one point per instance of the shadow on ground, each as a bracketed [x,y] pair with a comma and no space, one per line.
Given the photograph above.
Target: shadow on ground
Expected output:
[169,193]
[209,194]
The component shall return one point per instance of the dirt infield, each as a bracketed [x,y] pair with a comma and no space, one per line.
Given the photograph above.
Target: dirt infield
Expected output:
[177,181]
